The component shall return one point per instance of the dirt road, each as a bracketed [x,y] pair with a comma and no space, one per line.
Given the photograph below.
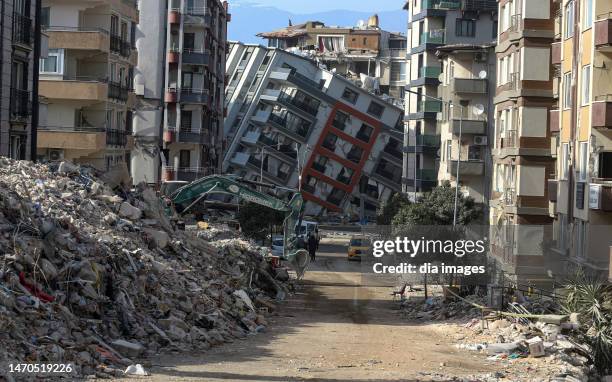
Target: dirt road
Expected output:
[333,329]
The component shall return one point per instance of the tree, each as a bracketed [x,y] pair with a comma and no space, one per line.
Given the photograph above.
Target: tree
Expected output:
[437,208]
[257,221]
[390,208]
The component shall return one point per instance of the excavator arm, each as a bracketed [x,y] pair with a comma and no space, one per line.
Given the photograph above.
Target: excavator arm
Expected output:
[191,194]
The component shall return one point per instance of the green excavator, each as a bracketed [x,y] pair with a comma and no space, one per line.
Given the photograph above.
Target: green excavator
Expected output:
[191,194]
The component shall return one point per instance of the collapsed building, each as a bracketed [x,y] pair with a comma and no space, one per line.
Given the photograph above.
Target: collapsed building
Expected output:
[291,123]
[366,54]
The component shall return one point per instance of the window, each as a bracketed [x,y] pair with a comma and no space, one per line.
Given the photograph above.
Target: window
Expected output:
[45,17]
[465,28]
[365,133]
[567,90]
[587,19]
[54,63]
[340,120]
[583,165]
[564,165]
[586,84]
[189,41]
[185,159]
[376,109]
[331,44]
[569,19]
[494,31]
[605,165]
[186,118]
[350,95]
[330,142]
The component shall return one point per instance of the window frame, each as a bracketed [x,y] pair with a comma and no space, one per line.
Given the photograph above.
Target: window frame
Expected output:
[567,90]
[585,86]
[351,91]
[587,15]
[376,105]
[460,23]
[59,55]
[569,14]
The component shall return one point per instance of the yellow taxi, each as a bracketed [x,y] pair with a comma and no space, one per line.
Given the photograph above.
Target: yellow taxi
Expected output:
[358,246]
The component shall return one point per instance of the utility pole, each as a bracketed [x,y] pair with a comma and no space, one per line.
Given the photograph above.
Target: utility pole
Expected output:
[458,164]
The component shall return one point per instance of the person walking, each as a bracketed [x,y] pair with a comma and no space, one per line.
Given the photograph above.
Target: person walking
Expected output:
[312,246]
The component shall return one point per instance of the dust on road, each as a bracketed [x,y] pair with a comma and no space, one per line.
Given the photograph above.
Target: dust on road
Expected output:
[334,328]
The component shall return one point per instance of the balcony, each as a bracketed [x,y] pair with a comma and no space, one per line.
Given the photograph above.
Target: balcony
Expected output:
[428,140]
[299,133]
[388,176]
[469,126]
[427,75]
[195,96]
[440,4]
[117,91]
[302,106]
[120,46]
[22,30]
[600,195]
[72,138]
[602,112]
[115,137]
[79,89]
[553,121]
[469,85]
[432,37]
[78,38]
[603,34]
[20,104]
[188,135]
[555,53]
[466,167]
[394,152]
[196,57]
[429,106]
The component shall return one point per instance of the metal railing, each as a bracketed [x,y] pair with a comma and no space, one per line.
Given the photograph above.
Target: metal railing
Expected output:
[282,122]
[515,22]
[439,4]
[73,129]
[429,106]
[61,28]
[22,29]
[20,104]
[304,106]
[436,36]
[116,137]
[509,196]
[428,140]
[430,72]
[118,91]
[120,46]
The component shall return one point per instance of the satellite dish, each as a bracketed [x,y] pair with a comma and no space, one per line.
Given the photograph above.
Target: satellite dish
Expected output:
[482,74]
[478,109]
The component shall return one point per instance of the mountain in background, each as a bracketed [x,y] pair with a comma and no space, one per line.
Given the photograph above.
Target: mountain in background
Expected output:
[250,19]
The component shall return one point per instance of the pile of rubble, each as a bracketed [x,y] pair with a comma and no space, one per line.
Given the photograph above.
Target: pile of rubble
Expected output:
[529,349]
[99,280]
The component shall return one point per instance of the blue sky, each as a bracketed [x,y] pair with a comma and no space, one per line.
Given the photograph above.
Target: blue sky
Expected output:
[313,6]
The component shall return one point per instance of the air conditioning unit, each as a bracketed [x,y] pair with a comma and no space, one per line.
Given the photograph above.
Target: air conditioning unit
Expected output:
[56,155]
[480,57]
[480,140]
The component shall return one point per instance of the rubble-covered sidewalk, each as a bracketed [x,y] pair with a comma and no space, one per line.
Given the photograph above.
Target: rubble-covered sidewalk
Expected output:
[99,280]
[522,349]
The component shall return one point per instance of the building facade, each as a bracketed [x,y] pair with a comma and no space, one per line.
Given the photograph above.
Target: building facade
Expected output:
[17,18]
[87,82]
[522,157]
[353,52]
[294,124]
[580,187]
[196,49]
[467,83]
[434,24]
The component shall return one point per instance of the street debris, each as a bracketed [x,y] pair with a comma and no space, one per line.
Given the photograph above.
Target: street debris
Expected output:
[531,349]
[100,279]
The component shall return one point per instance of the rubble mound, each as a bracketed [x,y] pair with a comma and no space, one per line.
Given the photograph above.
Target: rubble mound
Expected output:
[95,279]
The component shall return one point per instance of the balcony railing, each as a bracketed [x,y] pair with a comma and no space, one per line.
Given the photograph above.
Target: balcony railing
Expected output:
[428,140]
[22,29]
[426,175]
[429,106]
[120,46]
[115,137]
[430,72]
[304,106]
[393,151]
[21,105]
[282,122]
[433,37]
[440,4]
[117,91]
[515,22]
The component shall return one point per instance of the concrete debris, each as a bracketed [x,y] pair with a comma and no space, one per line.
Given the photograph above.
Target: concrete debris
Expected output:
[136,370]
[544,350]
[102,279]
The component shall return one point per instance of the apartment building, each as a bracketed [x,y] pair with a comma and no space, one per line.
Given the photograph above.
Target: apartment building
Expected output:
[294,124]
[16,80]
[434,24]
[373,58]
[580,190]
[87,82]
[196,49]
[522,155]
[467,83]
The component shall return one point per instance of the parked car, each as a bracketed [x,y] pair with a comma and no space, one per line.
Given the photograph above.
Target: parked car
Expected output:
[358,246]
